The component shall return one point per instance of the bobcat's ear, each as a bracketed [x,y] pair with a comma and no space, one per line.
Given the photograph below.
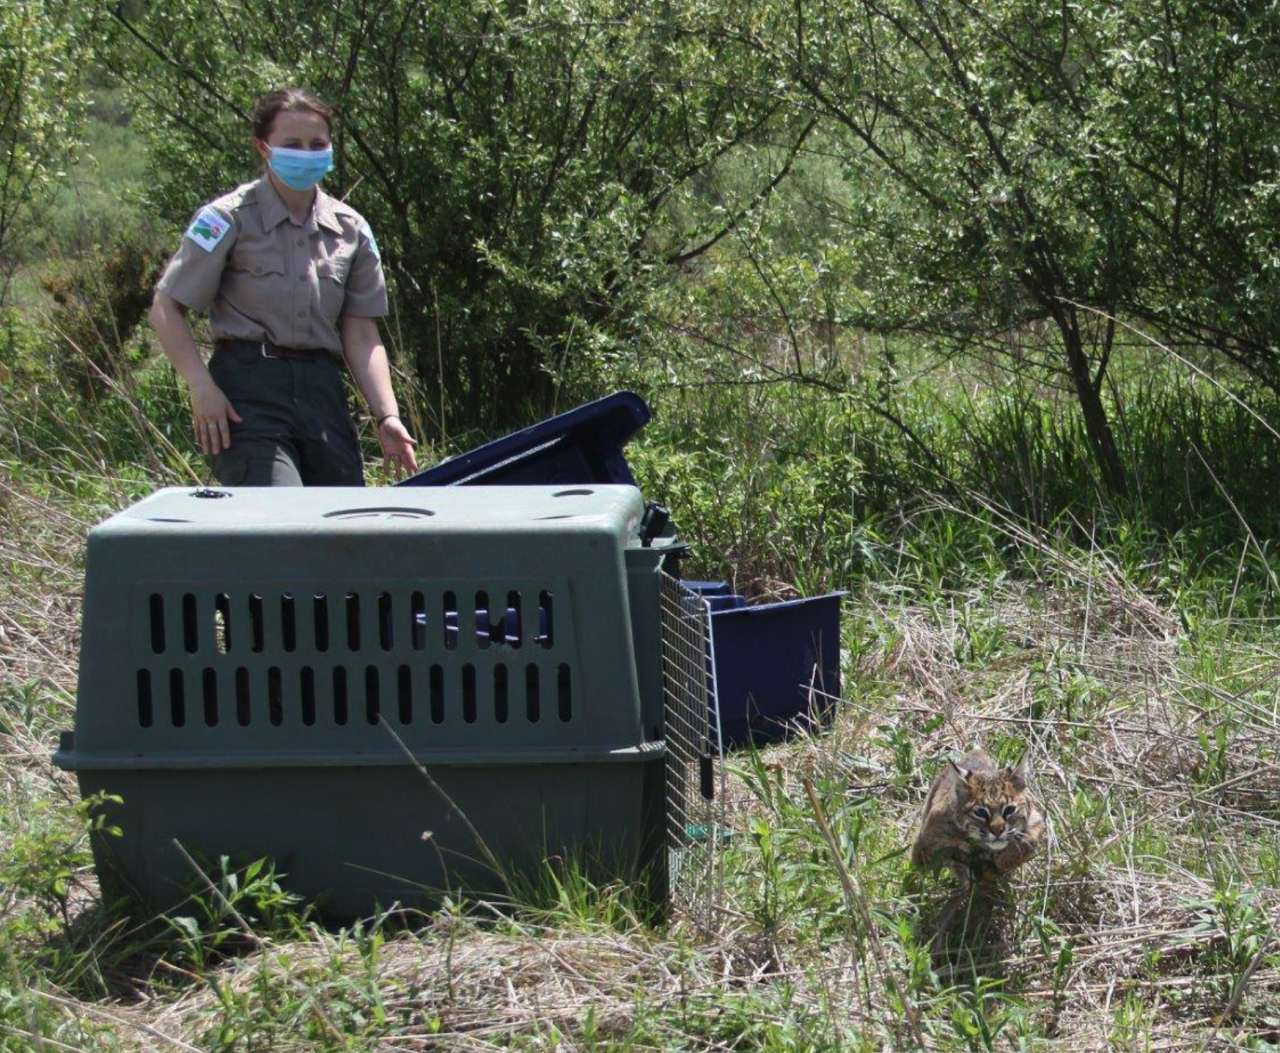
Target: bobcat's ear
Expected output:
[964,773]
[1018,774]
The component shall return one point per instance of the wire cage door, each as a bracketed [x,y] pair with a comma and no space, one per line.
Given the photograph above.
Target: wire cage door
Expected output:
[695,770]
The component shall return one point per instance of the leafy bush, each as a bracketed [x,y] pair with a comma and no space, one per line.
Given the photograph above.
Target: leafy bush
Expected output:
[99,299]
[43,48]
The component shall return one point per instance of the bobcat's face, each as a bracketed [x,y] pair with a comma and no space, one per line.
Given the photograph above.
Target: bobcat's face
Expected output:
[978,819]
[993,808]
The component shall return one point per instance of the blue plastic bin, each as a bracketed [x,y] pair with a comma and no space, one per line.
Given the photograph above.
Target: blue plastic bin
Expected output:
[583,445]
[766,658]
[707,588]
[725,603]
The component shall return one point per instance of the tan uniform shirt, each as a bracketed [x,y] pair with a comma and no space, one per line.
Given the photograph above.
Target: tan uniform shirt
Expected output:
[263,276]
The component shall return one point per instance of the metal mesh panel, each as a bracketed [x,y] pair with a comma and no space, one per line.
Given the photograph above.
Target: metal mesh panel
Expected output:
[695,774]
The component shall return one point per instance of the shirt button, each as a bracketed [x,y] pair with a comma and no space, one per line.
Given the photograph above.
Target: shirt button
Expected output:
[302,277]
[302,314]
[301,242]
[257,270]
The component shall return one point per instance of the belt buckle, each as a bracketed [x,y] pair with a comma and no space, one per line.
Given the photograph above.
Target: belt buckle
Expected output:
[264,347]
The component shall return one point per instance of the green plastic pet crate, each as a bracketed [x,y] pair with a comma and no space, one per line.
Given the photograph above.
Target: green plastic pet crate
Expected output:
[296,674]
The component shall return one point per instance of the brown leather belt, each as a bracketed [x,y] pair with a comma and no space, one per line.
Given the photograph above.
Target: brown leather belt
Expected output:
[269,350]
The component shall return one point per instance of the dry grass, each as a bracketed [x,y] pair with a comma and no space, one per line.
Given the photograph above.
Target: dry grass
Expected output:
[40,550]
[1146,921]
[1151,817]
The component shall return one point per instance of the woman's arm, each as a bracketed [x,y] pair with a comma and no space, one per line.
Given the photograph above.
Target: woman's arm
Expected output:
[210,409]
[367,360]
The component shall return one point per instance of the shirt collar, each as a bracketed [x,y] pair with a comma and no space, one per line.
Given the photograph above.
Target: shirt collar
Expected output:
[271,209]
[274,211]
[326,214]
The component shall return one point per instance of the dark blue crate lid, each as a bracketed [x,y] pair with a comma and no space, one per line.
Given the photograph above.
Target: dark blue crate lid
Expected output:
[765,659]
[583,445]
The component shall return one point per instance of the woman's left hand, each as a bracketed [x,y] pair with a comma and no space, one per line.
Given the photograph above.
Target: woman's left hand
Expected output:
[397,447]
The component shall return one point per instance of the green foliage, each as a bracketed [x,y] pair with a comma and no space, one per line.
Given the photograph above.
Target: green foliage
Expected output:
[580,894]
[1188,114]
[43,48]
[29,1020]
[231,912]
[133,437]
[99,299]
[779,484]
[1026,168]
[765,485]
[975,201]
[50,850]
[1232,934]
[99,202]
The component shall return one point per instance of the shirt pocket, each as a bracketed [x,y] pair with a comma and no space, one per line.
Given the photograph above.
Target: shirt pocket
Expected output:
[256,262]
[332,274]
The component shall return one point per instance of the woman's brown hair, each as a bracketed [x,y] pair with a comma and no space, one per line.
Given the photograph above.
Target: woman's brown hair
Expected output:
[286,99]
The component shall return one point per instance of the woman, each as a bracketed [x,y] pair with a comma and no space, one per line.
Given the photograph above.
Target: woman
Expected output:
[292,280]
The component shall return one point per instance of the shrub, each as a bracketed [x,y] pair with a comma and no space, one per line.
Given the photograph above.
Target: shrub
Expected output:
[99,298]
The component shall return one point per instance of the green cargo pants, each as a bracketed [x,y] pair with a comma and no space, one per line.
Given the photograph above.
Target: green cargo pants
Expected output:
[296,428]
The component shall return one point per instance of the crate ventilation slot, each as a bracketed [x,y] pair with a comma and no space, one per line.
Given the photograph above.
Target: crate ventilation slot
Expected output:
[294,697]
[372,622]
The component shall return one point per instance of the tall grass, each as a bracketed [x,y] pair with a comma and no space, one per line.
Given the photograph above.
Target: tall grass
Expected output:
[788,485]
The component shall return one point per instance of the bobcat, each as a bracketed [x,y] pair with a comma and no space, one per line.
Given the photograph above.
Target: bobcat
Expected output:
[978,820]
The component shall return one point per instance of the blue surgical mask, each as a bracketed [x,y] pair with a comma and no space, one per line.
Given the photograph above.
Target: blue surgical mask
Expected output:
[301,169]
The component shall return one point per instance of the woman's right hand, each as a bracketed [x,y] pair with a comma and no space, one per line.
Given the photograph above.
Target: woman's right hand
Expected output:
[212,415]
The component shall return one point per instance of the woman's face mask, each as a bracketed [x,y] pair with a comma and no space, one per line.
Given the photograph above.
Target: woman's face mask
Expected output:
[301,169]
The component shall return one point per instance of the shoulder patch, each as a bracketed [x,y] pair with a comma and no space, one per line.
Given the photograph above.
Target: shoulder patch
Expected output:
[208,228]
[367,231]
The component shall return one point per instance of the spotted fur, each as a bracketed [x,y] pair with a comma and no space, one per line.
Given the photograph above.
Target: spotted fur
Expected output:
[978,819]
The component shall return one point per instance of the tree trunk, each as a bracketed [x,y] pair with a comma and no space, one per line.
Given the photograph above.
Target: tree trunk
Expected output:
[1096,425]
